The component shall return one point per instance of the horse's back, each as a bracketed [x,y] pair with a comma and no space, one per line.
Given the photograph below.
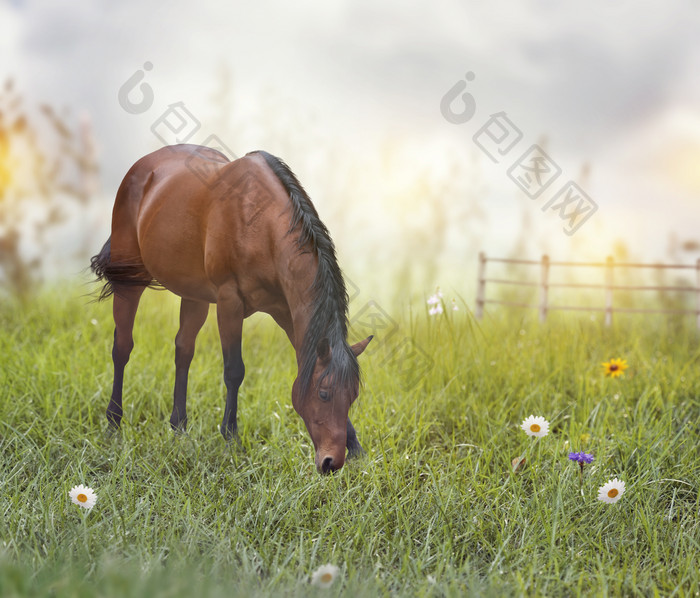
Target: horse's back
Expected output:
[135,186]
[188,213]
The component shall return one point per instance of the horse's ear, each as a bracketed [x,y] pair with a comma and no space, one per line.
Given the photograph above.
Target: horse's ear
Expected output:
[357,348]
[323,350]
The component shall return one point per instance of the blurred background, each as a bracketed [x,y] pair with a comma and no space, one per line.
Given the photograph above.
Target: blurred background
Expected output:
[349,94]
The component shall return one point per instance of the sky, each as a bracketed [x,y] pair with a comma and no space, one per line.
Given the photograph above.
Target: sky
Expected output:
[349,94]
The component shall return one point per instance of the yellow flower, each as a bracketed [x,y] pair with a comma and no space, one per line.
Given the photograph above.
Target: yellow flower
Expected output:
[615,367]
[83,496]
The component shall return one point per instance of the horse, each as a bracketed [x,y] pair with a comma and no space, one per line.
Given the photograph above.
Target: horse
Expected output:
[244,235]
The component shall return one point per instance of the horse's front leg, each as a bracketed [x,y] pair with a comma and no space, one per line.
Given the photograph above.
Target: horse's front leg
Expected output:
[355,449]
[193,314]
[229,313]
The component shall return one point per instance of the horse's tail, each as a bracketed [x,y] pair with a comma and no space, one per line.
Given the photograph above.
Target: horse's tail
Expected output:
[118,273]
[99,262]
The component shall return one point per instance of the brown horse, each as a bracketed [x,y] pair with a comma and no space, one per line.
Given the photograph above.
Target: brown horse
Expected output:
[243,235]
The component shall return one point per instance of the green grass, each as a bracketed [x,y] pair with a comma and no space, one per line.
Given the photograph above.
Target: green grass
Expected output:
[435,499]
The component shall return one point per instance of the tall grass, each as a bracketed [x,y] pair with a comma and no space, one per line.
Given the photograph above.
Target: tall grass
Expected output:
[434,510]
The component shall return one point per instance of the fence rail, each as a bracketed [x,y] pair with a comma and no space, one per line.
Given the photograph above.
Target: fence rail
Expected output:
[608,286]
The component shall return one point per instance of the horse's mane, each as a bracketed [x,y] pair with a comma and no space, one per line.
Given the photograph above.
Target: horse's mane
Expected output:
[330,303]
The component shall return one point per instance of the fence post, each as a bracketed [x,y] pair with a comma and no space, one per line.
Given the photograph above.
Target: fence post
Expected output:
[608,290]
[544,287]
[697,290]
[481,286]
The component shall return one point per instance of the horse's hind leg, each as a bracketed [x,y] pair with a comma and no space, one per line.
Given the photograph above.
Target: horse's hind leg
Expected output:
[126,302]
[193,314]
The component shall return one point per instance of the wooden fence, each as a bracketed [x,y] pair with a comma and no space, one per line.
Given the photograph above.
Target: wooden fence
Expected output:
[608,286]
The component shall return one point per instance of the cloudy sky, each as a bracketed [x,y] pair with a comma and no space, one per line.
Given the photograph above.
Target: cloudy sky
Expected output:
[349,94]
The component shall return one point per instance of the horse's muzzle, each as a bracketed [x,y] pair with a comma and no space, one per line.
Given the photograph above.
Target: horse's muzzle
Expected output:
[329,465]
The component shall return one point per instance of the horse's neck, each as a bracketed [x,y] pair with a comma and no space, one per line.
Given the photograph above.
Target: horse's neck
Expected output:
[296,306]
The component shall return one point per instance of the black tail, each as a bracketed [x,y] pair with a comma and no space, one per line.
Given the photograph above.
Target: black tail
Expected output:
[118,273]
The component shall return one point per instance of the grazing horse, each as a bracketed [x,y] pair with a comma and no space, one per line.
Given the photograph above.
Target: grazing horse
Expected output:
[244,235]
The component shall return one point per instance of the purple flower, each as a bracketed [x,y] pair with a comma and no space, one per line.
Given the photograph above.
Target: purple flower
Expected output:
[581,457]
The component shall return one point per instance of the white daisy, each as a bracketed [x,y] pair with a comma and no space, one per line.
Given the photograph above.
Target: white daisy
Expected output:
[83,496]
[435,310]
[324,576]
[612,491]
[454,306]
[535,426]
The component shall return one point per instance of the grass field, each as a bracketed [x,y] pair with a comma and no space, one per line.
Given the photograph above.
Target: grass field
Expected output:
[434,510]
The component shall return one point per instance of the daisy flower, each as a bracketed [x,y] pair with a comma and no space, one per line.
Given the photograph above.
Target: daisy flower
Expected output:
[324,576]
[535,426]
[612,491]
[454,306]
[83,496]
[615,367]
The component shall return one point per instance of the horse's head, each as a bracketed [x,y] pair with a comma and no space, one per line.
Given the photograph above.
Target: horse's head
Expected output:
[325,404]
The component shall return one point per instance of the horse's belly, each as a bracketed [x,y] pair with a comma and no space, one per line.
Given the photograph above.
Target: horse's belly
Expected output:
[171,240]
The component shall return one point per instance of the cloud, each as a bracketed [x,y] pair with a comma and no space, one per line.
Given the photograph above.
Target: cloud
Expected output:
[591,75]
[581,73]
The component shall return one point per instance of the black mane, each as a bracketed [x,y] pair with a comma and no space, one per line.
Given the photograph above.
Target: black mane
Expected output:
[330,303]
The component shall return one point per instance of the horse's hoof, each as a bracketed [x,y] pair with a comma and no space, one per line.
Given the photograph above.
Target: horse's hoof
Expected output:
[179,426]
[180,434]
[112,432]
[233,442]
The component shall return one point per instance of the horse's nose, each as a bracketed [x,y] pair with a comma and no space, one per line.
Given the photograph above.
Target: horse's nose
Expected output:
[328,465]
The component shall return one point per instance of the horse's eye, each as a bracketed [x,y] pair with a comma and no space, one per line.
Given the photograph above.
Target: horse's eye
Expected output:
[324,394]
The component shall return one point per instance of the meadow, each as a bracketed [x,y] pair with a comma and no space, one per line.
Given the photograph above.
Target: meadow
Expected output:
[435,509]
